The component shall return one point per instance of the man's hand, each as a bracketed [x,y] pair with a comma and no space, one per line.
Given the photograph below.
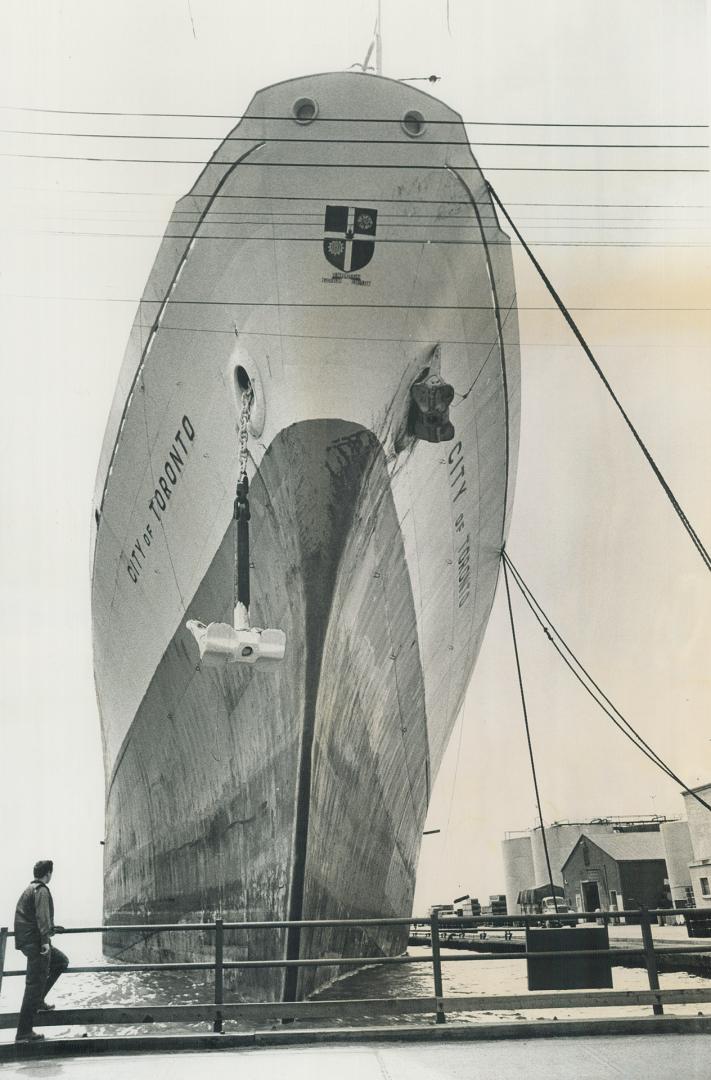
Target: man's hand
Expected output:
[59,929]
[44,949]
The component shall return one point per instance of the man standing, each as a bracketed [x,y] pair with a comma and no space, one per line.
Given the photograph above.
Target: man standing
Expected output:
[34,925]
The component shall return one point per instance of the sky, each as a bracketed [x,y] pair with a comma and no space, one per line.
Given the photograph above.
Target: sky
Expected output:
[622,227]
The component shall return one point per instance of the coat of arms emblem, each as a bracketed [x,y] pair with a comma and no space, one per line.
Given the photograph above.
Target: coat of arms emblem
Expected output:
[349,242]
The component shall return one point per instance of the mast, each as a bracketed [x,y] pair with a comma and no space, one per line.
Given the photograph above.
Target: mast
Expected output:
[378,43]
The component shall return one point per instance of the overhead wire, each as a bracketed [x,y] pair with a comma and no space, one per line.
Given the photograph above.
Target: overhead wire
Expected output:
[351,141]
[419,201]
[404,220]
[342,164]
[381,239]
[348,119]
[341,307]
[588,682]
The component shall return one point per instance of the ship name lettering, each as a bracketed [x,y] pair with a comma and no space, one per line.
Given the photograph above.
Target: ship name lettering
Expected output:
[169,479]
[457,487]
[456,471]
[464,570]
[158,503]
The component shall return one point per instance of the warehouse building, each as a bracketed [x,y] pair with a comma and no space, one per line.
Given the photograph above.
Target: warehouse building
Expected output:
[524,858]
[618,871]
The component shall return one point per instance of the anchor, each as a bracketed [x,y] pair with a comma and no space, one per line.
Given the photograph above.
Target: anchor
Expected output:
[219,643]
[430,398]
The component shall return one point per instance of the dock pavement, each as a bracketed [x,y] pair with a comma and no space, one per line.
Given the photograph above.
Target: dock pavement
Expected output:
[628,1057]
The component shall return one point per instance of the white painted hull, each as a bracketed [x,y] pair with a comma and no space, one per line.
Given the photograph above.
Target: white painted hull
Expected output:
[302,793]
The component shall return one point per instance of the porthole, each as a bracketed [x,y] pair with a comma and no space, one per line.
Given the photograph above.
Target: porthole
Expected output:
[305,110]
[413,123]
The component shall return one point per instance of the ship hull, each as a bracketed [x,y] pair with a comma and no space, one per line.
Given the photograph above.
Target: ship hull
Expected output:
[298,793]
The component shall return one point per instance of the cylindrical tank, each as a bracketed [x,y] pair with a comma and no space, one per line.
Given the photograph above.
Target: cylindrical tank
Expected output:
[518,869]
[561,839]
[678,853]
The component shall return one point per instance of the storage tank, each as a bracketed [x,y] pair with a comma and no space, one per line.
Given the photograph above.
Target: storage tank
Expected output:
[678,853]
[518,868]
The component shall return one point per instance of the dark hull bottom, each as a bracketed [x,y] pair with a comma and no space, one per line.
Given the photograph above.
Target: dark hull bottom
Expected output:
[299,793]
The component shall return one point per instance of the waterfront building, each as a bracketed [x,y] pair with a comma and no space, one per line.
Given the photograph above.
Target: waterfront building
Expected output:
[525,865]
[617,871]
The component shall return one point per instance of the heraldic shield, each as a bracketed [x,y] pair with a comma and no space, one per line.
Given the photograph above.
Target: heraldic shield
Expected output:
[350,236]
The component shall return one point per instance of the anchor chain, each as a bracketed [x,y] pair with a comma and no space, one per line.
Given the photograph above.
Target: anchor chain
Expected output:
[247,400]
[221,643]
[241,513]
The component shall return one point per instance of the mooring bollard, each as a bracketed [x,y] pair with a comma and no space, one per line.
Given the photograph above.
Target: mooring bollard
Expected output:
[219,975]
[650,957]
[437,966]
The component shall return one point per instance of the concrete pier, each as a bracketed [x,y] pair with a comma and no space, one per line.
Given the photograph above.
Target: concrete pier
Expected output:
[658,1049]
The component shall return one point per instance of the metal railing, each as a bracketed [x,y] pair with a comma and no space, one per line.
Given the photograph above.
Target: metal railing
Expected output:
[217,1011]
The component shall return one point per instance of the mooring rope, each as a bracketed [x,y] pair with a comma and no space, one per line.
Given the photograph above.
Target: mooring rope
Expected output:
[698,544]
[528,735]
[586,680]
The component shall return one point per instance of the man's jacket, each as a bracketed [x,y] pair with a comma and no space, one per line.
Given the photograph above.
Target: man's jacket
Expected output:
[34,916]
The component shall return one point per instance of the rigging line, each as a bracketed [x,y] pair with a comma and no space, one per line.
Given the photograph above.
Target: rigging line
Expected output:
[443,849]
[180,195]
[156,323]
[573,326]
[334,164]
[339,119]
[619,721]
[381,240]
[126,216]
[633,735]
[410,340]
[355,142]
[500,341]
[341,307]
[528,730]
[314,219]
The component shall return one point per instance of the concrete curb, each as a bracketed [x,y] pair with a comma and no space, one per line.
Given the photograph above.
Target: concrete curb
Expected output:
[450,1032]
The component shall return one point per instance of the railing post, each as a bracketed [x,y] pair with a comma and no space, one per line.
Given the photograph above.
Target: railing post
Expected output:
[437,966]
[219,974]
[650,957]
[3,943]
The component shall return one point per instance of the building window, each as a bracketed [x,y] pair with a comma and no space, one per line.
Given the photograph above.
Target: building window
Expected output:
[705,891]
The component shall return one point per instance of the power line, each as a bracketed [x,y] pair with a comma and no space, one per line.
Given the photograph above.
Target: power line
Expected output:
[407,221]
[340,307]
[342,164]
[587,681]
[381,240]
[346,119]
[348,142]
[358,198]
[371,338]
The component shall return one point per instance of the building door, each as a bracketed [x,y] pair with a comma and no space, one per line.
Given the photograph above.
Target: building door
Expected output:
[591,896]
